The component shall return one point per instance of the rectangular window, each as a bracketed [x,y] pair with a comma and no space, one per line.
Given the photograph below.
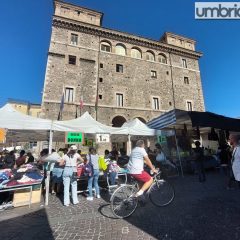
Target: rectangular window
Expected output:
[72,60]
[32,144]
[105,48]
[184,63]
[153,74]
[155,103]
[100,79]
[119,100]
[74,39]
[189,106]
[101,65]
[69,95]
[65,9]
[186,80]
[100,96]
[119,68]
[77,12]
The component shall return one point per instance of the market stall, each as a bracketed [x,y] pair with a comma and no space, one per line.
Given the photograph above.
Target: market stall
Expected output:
[137,128]
[25,183]
[23,127]
[19,126]
[192,125]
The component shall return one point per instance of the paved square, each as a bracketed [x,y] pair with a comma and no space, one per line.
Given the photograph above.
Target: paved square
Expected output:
[200,211]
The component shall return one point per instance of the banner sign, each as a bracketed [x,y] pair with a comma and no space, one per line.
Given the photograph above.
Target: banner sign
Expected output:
[2,135]
[161,139]
[103,137]
[74,138]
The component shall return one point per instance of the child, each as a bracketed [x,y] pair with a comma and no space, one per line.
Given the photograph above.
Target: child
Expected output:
[113,169]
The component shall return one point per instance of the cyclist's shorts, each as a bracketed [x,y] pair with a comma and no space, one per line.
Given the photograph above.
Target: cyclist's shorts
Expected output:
[143,177]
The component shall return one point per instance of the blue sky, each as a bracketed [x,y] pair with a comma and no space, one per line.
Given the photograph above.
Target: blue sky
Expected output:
[25,34]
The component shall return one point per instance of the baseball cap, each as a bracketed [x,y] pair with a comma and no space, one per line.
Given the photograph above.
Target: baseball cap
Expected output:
[73,147]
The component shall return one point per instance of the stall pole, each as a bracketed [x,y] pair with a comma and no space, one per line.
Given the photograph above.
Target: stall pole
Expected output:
[47,180]
[179,158]
[129,145]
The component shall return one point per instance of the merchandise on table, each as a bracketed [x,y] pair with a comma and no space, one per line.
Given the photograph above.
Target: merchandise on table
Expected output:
[26,174]
[6,205]
[5,176]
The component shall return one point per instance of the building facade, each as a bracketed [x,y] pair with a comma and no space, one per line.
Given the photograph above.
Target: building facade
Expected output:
[118,76]
[25,107]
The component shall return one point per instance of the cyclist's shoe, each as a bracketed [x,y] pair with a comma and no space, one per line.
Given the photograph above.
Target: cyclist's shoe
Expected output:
[130,202]
[133,196]
[142,201]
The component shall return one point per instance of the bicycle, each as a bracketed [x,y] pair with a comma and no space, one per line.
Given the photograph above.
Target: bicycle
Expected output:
[124,203]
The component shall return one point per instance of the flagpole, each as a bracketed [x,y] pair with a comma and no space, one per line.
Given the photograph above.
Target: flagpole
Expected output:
[61,107]
[81,105]
[96,104]
[76,115]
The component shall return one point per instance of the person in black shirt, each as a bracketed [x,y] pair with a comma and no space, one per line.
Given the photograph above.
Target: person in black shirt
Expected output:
[30,158]
[199,160]
[9,160]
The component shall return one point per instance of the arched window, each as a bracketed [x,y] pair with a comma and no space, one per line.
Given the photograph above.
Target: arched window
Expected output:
[106,47]
[118,121]
[162,58]
[150,56]
[136,53]
[142,120]
[120,49]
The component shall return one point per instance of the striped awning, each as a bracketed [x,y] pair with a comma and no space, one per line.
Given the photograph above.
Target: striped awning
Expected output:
[177,118]
[166,120]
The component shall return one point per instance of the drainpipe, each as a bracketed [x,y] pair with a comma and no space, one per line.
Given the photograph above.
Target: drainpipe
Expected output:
[171,75]
[96,100]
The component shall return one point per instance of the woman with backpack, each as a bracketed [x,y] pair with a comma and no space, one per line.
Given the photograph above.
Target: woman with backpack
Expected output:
[92,159]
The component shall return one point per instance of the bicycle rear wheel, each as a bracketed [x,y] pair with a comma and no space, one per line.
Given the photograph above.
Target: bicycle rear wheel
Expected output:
[161,193]
[123,201]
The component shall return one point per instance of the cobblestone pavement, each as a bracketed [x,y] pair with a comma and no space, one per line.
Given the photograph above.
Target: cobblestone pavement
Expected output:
[199,211]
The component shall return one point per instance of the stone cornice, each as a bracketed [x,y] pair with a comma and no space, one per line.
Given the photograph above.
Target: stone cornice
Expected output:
[46,100]
[122,37]
[56,54]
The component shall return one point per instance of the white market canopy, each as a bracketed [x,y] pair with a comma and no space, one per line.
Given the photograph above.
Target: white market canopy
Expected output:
[22,127]
[137,128]
[14,120]
[87,124]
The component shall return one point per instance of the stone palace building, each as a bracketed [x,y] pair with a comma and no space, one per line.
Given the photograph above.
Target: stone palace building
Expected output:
[118,76]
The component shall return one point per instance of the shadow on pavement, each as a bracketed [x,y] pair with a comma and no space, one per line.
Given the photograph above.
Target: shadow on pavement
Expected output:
[200,211]
[30,226]
[105,210]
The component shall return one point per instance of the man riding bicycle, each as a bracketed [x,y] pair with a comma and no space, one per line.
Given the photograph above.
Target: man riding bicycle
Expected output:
[135,166]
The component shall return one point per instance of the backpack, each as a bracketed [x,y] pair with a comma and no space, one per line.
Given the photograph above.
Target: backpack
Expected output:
[102,164]
[80,170]
[113,167]
[88,168]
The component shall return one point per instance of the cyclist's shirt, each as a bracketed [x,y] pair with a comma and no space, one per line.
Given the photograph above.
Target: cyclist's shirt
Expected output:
[136,161]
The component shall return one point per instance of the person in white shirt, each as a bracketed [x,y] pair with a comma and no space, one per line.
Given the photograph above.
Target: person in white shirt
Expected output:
[92,158]
[135,167]
[70,174]
[234,141]
[161,159]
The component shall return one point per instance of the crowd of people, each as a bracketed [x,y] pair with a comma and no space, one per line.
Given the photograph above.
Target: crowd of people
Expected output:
[64,165]
[228,155]
[13,159]
[64,170]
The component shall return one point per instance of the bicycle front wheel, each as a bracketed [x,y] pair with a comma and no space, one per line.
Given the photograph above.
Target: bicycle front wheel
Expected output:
[123,201]
[161,193]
